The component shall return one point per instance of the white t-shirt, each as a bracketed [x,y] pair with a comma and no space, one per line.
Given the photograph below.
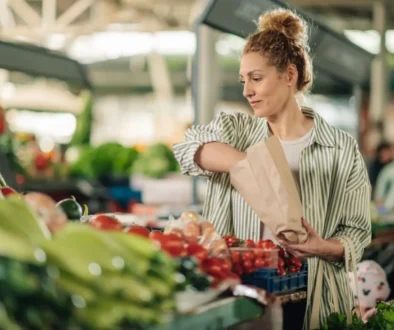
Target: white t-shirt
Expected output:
[292,150]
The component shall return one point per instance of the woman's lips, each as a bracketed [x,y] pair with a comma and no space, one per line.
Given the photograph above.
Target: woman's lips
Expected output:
[254,103]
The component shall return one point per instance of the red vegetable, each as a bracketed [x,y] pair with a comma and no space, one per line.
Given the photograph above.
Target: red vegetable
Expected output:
[105,222]
[8,191]
[139,230]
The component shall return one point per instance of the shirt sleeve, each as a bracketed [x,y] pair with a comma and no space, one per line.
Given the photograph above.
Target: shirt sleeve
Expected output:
[224,128]
[355,222]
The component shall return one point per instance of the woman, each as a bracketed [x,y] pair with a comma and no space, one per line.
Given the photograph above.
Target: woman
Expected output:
[333,182]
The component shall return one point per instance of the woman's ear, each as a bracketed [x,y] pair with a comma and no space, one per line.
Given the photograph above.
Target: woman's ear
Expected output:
[292,75]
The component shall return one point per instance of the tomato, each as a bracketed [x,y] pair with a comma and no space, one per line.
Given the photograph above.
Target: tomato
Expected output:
[234,277]
[266,244]
[197,251]
[235,256]
[247,255]
[249,243]
[231,241]
[213,267]
[226,267]
[292,269]
[41,162]
[281,272]
[248,266]
[6,191]
[260,263]
[155,234]
[237,269]
[281,263]
[105,222]
[296,262]
[259,253]
[139,230]
[173,245]
[282,252]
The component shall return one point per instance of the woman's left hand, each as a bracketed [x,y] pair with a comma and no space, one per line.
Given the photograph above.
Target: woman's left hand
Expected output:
[311,248]
[315,246]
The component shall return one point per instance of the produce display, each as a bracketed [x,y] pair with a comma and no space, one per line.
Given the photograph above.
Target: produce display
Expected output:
[63,269]
[96,162]
[189,238]
[78,277]
[115,159]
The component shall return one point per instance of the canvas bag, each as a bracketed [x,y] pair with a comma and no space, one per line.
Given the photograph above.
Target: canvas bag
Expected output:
[265,181]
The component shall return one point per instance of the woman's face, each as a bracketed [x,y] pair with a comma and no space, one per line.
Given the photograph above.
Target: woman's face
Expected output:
[267,90]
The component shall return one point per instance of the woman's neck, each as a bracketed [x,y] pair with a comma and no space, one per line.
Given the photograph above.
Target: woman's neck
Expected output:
[290,123]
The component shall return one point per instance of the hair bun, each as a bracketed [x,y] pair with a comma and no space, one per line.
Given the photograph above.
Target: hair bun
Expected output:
[286,22]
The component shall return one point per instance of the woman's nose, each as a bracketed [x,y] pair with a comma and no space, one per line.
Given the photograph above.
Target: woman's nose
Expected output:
[248,91]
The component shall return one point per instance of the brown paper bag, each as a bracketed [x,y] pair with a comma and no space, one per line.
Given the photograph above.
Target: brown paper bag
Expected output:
[265,181]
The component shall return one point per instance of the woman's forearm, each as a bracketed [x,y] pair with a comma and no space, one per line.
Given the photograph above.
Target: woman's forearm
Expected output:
[218,157]
[332,250]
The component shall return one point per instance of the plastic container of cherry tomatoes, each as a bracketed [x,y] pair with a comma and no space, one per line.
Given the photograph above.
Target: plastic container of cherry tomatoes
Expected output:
[269,280]
[247,260]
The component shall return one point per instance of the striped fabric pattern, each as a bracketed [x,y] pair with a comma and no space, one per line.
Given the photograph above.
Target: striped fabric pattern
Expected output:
[335,189]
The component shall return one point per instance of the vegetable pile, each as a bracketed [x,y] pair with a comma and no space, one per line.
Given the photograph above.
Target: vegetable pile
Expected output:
[78,277]
[383,320]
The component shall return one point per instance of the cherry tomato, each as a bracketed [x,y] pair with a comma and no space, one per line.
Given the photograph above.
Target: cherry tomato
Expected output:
[281,272]
[139,230]
[212,266]
[296,262]
[282,252]
[249,243]
[105,222]
[197,251]
[237,269]
[292,269]
[260,263]
[259,253]
[247,255]
[155,234]
[281,263]
[234,277]
[226,267]
[266,244]
[236,256]
[247,266]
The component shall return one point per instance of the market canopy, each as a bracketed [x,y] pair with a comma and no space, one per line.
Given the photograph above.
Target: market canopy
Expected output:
[42,62]
[335,57]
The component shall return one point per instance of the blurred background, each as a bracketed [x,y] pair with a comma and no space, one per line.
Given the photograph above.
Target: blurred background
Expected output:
[93,93]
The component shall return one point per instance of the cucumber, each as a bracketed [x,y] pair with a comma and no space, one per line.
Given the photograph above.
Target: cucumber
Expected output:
[71,208]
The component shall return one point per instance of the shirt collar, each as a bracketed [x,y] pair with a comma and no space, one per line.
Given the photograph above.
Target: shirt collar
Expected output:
[322,132]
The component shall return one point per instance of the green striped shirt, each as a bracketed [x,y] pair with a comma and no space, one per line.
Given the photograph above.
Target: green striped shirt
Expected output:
[335,189]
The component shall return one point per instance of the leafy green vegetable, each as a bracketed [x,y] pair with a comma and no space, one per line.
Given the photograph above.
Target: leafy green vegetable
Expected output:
[106,159]
[157,161]
[383,320]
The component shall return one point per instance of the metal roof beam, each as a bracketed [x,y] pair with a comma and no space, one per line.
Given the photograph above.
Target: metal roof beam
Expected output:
[72,13]
[25,12]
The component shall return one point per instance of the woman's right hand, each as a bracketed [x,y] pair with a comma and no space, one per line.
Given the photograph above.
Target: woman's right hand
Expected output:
[218,157]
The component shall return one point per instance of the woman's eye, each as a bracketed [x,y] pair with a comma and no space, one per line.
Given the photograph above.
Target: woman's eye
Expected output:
[256,79]
[242,82]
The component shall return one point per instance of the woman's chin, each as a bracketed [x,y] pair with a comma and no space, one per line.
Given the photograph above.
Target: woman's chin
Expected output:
[260,113]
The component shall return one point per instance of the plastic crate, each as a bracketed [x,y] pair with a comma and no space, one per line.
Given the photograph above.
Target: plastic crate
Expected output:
[268,279]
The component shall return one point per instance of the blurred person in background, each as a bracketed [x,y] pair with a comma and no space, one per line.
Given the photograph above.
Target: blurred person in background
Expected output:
[384,188]
[384,155]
